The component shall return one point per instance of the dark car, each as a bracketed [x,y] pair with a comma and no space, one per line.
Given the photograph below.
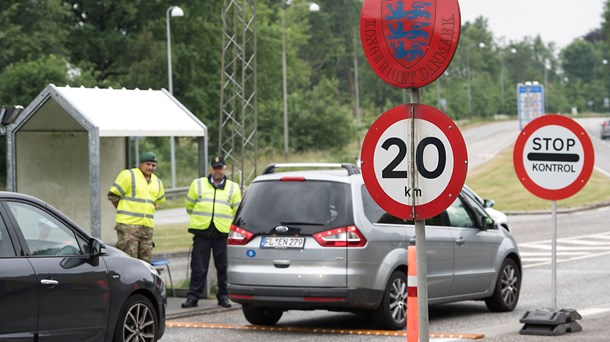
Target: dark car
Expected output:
[605,132]
[57,283]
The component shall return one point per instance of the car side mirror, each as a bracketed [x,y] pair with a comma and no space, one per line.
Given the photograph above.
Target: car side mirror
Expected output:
[488,203]
[96,248]
[488,223]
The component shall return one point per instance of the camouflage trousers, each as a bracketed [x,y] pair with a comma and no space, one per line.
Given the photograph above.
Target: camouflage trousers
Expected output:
[136,241]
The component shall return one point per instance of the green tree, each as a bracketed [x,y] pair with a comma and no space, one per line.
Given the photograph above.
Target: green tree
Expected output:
[579,60]
[102,31]
[319,122]
[585,74]
[34,51]
[23,81]
[31,29]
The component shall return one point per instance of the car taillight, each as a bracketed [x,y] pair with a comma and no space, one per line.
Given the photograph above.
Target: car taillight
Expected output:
[292,179]
[348,236]
[238,236]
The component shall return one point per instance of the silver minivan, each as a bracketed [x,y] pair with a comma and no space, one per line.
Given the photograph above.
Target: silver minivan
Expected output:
[313,238]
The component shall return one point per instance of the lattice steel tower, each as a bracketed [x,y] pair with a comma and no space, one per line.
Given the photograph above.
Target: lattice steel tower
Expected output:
[238,119]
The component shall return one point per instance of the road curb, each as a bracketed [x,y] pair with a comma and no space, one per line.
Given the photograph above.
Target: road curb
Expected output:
[559,211]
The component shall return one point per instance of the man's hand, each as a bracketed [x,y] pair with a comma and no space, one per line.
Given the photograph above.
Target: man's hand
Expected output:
[114,199]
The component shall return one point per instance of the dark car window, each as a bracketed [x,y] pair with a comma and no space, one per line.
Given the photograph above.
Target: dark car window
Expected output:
[44,234]
[376,214]
[6,247]
[308,206]
[476,204]
[459,215]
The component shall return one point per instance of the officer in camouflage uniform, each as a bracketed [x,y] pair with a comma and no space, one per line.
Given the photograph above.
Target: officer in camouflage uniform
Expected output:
[136,193]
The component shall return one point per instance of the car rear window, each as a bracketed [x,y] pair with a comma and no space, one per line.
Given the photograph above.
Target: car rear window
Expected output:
[376,214]
[306,206]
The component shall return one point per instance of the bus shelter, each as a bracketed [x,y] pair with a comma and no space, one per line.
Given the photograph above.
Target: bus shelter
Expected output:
[67,146]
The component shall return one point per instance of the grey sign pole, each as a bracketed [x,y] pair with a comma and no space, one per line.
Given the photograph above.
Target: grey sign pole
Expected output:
[420,240]
[554,252]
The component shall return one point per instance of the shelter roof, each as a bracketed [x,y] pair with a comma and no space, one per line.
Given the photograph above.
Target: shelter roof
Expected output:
[113,112]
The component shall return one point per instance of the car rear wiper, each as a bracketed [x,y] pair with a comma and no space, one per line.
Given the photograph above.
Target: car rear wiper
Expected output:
[296,223]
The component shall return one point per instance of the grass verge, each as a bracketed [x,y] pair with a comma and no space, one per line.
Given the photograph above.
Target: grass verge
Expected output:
[497,180]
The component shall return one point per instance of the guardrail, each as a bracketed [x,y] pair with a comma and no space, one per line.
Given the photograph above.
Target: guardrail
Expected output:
[176,192]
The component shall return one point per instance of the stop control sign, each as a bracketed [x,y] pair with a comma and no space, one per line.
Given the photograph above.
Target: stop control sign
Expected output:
[553,157]
[440,163]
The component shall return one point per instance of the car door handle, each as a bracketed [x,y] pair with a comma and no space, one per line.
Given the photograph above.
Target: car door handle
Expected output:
[460,241]
[49,282]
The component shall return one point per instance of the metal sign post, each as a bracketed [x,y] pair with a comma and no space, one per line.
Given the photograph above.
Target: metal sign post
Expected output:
[554,253]
[409,44]
[420,240]
[553,159]
[414,164]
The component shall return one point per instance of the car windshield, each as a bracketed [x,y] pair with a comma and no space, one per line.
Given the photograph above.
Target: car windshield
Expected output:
[309,206]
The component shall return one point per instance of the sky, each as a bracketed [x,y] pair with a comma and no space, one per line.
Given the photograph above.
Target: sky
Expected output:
[559,21]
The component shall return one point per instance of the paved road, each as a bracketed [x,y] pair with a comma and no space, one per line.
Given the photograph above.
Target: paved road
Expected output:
[171,216]
[601,147]
[486,141]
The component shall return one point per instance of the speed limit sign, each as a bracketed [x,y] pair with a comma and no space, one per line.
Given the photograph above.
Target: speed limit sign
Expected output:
[440,159]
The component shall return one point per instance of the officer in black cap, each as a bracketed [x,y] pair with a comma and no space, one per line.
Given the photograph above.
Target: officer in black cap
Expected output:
[211,203]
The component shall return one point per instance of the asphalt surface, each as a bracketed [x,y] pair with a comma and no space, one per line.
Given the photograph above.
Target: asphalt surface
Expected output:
[204,307]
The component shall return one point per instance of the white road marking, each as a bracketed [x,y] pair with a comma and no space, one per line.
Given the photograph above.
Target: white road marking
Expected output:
[538,253]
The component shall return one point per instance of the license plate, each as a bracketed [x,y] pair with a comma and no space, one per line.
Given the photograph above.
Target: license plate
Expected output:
[282,242]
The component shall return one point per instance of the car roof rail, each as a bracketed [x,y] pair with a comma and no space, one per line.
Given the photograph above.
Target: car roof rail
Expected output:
[351,168]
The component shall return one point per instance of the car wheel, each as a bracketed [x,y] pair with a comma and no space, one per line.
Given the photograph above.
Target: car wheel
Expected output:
[507,289]
[137,321]
[392,313]
[261,316]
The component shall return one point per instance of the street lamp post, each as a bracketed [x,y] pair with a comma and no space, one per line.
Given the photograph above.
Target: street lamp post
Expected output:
[606,100]
[503,55]
[173,11]
[313,7]
[481,46]
[547,67]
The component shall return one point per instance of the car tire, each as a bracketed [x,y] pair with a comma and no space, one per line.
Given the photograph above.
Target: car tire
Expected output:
[392,313]
[137,321]
[507,289]
[261,316]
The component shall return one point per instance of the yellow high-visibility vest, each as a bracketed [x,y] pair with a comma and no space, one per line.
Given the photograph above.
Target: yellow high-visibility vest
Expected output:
[138,197]
[205,203]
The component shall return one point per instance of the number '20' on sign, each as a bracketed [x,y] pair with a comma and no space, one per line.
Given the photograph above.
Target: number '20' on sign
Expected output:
[390,170]
[439,161]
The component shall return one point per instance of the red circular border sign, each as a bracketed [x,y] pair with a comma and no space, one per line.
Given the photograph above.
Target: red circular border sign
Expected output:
[410,43]
[460,161]
[587,146]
